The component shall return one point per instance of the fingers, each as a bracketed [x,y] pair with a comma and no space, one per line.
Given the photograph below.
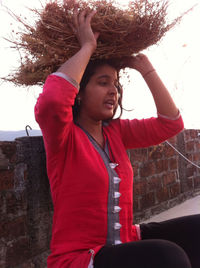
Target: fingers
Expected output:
[82,28]
[75,18]
[82,17]
[141,56]
[90,15]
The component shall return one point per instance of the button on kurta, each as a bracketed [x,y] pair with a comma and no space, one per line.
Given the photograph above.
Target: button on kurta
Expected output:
[117,194]
[113,165]
[117,226]
[116,180]
[117,242]
[116,209]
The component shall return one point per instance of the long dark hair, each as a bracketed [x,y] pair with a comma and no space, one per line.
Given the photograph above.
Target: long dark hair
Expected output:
[89,72]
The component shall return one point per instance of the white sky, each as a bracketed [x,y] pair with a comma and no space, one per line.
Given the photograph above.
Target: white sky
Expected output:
[176,59]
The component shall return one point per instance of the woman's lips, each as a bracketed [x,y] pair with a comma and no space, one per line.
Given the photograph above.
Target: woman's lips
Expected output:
[109,104]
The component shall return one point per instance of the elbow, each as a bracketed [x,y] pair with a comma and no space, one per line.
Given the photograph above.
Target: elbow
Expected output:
[44,108]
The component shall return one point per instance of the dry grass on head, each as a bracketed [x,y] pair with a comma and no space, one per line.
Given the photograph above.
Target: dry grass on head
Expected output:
[51,41]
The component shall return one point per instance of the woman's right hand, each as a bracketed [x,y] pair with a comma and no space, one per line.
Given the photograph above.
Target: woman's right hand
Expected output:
[83,30]
[75,66]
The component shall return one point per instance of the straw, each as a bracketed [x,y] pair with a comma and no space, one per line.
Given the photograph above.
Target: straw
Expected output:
[48,43]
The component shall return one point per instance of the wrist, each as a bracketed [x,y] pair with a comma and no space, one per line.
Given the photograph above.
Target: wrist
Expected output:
[88,48]
[145,74]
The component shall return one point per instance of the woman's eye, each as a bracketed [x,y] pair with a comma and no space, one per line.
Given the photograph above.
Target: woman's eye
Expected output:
[106,83]
[103,83]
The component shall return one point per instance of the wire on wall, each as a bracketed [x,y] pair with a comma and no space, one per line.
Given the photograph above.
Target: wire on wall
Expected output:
[188,160]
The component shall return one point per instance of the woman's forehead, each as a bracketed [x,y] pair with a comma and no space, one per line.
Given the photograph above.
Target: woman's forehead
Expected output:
[106,71]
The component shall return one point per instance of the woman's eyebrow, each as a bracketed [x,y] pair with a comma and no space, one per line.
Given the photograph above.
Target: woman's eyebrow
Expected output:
[105,76]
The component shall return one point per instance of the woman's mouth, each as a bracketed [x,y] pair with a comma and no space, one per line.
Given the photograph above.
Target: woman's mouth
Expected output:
[109,104]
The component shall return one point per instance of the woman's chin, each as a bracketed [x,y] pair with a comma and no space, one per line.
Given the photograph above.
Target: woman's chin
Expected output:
[108,117]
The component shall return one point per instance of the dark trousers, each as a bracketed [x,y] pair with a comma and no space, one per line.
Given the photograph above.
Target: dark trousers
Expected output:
[173,243]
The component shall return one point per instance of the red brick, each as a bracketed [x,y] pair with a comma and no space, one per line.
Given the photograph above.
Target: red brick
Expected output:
[189,156]
[162,194]
[173,140]
[148,169]
[6,180]
[13,228]
[2,254]
[169,178]
[18,252]
[190,183]
[198,145]
[29,264]
[154,183]
[9,150]
[4,162]
[193,133]
[190,134]
[155,152]
[139,188]
[174,190]
[147,200]
[168,151]
[196,182]
[173,163]
[186,135]
[196,157]
[138,155]
[191,171]
[135,170]
[14,204]
[2,205]
[161,166]
[136,204]
[190,146]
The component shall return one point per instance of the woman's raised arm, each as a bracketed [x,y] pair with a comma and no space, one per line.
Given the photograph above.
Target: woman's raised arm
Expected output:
[75,66]
[163,100]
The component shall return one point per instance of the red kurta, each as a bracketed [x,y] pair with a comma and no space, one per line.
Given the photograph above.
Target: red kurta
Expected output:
[78,176]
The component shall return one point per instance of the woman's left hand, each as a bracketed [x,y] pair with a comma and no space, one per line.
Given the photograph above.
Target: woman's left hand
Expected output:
[164,103]
[140,63]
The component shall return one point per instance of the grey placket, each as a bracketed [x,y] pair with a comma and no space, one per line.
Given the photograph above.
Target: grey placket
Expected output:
[113,225]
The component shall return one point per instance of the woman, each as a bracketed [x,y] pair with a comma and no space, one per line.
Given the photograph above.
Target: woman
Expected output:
[89,171]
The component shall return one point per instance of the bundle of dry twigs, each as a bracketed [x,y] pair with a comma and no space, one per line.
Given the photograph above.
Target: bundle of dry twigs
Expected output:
[123,32]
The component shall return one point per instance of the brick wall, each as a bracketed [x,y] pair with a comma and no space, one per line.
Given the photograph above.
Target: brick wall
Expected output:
[25,204]
[162,179]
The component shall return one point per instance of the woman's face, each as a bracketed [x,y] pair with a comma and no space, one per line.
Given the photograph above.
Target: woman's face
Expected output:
[100,97]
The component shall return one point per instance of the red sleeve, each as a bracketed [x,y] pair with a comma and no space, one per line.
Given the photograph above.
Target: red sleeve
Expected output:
[53,111]
[147,132]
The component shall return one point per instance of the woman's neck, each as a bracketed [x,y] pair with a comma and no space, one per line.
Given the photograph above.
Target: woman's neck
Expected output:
[94,128]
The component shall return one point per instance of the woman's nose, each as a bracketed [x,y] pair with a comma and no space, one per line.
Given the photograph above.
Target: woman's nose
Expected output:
[113,90]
